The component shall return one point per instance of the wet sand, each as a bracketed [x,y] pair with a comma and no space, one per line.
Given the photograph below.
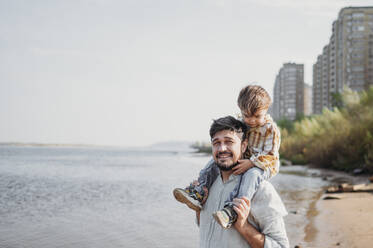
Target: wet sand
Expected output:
[344,222]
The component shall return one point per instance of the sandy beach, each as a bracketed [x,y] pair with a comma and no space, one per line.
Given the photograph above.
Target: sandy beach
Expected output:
[344,222]
[342,219]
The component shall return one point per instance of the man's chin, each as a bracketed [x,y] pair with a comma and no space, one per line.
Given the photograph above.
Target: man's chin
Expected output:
[224,167]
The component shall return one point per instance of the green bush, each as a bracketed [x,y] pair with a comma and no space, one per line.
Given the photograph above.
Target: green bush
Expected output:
[298,159]
[340,138]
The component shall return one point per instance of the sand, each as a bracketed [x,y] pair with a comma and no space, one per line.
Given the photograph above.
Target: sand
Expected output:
[343,222]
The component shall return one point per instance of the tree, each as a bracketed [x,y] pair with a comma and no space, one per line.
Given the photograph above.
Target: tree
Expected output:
[286,124]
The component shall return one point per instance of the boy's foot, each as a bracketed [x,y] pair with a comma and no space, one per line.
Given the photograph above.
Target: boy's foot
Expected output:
[225,217]
[190,197]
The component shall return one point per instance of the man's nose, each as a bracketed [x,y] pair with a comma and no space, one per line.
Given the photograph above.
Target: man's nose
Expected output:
[222,147]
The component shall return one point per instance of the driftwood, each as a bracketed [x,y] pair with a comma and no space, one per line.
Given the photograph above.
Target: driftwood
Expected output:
[345,187]
[328,197]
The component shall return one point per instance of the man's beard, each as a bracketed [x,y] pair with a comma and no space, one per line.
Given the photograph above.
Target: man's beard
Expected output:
[224,168]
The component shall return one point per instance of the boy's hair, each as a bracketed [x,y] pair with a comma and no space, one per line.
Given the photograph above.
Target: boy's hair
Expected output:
[228,123]
[253,98]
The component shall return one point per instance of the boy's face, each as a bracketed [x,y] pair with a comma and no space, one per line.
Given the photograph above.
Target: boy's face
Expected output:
[254,120]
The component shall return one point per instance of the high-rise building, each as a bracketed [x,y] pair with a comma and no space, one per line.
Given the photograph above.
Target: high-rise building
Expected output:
[307,99]
[347,59]
[288,92]
[317,86]
[276,100]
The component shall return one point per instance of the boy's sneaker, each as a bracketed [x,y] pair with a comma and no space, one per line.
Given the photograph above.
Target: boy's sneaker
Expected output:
[225,217]
[190,197]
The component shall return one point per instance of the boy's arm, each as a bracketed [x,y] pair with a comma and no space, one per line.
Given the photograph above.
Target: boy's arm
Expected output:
[268,158]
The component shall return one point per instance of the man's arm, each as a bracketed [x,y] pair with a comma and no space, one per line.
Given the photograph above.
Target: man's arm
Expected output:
[273,233]
[247,231]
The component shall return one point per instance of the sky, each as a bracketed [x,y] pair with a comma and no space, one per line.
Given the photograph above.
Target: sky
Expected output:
[134,73]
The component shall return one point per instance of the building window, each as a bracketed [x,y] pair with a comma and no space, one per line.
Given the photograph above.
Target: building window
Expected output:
[357,15]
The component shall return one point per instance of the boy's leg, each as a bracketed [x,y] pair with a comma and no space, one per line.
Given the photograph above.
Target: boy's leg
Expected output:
[248,184]
[194,195]
[206,177]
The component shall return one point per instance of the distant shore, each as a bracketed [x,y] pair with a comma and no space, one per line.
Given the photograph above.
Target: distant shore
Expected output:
[46,144]
[204,148]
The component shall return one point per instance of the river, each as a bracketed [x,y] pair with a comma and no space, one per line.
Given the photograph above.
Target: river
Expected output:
[116,197]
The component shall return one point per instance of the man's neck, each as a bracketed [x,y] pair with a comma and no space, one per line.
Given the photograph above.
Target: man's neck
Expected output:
[225,175]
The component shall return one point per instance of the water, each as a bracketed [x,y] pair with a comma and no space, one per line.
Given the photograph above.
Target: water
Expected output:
[108,197]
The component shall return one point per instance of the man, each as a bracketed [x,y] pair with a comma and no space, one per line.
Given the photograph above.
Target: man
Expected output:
[260,222]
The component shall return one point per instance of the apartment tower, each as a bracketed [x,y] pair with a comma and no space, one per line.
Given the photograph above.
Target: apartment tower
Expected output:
[347,59]
[288,92]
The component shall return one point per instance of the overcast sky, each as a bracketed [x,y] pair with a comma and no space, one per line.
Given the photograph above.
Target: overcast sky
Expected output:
[133,73]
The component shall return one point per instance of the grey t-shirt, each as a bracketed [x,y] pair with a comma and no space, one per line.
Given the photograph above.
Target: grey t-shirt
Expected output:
[266,215]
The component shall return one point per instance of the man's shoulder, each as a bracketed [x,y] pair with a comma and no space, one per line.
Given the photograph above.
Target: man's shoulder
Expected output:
[267,202]
[266,191]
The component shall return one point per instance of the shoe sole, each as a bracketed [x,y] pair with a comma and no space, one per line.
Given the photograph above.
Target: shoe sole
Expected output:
[220,219]
[183,197]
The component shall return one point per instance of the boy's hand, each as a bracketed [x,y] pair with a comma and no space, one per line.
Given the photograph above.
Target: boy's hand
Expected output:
[243,166]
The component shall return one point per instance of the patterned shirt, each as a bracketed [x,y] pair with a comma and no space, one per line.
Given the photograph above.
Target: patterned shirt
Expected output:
[263,145]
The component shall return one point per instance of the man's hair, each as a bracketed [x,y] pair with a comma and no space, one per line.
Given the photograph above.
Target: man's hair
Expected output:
[228,123]
[253,98]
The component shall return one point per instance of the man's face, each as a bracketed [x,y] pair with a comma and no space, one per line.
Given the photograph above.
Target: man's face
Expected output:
[254,120]
[227,148]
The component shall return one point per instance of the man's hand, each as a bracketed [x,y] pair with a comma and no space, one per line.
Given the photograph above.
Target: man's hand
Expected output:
[242,208]
[243,166]
[247,231]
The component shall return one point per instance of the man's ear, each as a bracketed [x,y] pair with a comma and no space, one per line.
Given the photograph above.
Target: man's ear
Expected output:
[244,145]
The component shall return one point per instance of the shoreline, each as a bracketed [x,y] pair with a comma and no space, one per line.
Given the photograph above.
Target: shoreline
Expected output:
[343,220]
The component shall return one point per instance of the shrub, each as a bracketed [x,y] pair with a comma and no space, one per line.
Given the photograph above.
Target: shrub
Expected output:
[340,138]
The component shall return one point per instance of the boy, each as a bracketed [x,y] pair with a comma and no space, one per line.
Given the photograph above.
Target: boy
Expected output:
[261,158]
